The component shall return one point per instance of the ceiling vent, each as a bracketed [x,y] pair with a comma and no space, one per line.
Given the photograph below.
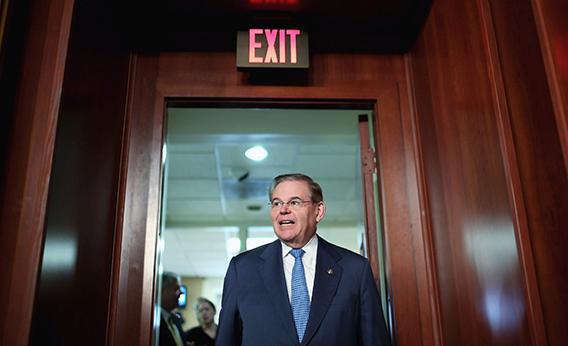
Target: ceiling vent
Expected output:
[256,189]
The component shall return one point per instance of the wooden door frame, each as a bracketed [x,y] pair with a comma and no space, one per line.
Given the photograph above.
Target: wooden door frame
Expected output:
[133,289]
[28,163]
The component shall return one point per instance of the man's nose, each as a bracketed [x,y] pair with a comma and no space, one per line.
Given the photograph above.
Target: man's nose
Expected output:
[285,208]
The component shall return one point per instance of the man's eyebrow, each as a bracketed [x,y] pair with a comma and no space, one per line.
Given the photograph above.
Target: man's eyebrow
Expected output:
[289,199]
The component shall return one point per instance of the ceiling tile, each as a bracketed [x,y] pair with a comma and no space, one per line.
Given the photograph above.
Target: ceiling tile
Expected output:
[193,188]
[193,208]
[191,166]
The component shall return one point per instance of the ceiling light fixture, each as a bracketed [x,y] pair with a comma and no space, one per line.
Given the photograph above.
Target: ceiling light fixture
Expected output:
[256,153]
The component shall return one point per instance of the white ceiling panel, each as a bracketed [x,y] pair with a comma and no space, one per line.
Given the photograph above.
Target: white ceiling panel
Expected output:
[269,172]
[195,166]
[193,189]
[182,146]
[250,209]
[197,121]
[195,208]
[175,255]
[332,145]
[329,165]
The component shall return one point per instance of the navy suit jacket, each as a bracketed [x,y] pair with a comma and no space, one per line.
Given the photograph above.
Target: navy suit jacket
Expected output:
[345,307]
[166,337]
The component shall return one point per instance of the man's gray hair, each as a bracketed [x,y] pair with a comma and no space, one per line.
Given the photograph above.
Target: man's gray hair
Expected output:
[316,194]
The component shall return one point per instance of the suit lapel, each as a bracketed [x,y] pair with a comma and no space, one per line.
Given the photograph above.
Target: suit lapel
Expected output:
[272,271]
[328,275]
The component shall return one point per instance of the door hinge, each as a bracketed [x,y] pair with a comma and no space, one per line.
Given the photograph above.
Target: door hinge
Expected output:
[368,161]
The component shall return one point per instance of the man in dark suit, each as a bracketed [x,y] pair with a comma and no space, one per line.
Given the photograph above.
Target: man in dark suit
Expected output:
[300,289]
[171,333]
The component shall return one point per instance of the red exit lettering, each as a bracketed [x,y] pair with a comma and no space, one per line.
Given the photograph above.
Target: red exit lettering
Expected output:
[272,36]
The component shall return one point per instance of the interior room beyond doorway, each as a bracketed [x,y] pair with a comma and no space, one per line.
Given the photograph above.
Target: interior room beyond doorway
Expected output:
[215,201]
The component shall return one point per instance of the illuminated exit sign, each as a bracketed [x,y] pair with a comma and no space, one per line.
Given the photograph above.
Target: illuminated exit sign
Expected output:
[272,48]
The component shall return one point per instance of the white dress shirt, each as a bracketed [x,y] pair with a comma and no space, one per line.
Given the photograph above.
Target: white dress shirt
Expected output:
[308,260]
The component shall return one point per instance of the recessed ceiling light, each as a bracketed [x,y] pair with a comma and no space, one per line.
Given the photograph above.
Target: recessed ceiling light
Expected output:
[256,153]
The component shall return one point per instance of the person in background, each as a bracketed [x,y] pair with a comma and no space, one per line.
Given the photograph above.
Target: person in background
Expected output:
[300,289]
[204,334]
[171,333]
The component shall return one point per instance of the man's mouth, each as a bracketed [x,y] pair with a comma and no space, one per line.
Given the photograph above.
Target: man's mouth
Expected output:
[286,222]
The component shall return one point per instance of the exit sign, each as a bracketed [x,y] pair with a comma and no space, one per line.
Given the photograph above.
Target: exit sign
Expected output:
[272,48]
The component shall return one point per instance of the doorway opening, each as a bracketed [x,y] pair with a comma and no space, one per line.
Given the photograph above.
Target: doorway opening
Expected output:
[218,163]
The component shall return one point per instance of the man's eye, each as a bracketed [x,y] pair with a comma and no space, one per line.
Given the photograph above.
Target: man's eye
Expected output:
[295,203]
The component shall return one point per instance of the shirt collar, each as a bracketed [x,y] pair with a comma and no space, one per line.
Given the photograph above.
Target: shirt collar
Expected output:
[310,246]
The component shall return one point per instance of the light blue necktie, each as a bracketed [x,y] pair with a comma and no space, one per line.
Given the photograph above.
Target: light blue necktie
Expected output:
[300,299]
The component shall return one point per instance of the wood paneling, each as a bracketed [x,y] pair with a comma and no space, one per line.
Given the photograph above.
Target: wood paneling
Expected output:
[12,41]
[349,77]
[72,298]
[28,164]
[494,174]
[132,299]
[550,16]
[471,223]
[333,25]
[538,147]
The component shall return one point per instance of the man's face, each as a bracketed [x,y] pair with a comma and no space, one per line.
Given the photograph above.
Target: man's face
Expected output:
[170,295]
[295,226]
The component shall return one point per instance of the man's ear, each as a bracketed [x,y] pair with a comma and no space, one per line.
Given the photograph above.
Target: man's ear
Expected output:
[320,211]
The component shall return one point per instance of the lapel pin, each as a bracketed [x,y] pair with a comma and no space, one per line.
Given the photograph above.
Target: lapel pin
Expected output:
[330,271]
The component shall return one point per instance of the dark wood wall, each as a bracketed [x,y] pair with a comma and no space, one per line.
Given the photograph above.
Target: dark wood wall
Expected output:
[552,28]
[493,175]
[539,132]
[41,44]
[72,300]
